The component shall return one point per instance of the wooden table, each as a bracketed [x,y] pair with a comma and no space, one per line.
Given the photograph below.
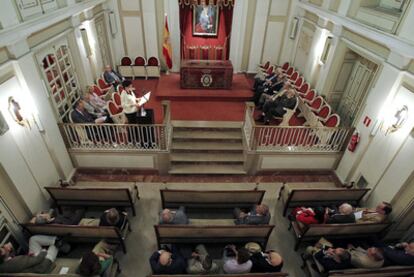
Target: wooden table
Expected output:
[204,74]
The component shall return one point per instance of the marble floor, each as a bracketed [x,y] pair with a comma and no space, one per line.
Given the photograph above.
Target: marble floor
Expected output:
[141,242]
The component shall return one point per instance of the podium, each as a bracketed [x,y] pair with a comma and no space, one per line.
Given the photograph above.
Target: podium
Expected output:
[210,74]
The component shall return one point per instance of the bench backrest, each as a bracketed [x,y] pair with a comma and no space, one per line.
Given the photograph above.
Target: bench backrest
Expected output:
[274,274]
[327,195]
[73,231]
[362,229]
[390,271]
[212,234]
[211,199]
[89,195]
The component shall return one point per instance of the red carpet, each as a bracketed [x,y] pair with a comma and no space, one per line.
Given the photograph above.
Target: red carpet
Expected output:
[191,104]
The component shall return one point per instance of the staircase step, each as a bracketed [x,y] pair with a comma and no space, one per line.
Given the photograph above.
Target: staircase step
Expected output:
[207,124]
[203,134]
[206,169]
[206,145]
[207,157]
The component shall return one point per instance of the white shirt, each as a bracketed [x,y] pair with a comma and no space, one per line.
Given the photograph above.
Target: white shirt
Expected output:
[129,102]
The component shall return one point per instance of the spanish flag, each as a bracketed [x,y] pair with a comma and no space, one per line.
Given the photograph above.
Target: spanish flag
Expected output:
[166,46]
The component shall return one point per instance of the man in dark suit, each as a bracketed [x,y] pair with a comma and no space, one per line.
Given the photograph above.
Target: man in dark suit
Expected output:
[112,77]
[168,262]
[81,115]
[277,107]
[345,214]
[259,214]
[269,261]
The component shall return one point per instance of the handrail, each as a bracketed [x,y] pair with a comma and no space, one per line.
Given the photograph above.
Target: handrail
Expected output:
[167,123]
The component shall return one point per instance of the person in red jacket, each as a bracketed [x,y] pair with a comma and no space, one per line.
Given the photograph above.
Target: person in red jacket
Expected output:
[308,215]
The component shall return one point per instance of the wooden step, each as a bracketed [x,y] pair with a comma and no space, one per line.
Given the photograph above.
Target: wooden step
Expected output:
[207,157]
[207,124]
[206,169]
[206,145]
[203,134]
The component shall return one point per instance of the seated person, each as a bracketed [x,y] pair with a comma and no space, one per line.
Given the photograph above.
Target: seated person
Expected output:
[167,261]
[400,254]
[112,77]
[308,215]
[369,258]
[236,261]
[81,115]
[278,106]
[377,215]
[259,214]
[94,104]
[276,92]
[67,217]
[201,262]
[344,214]
[97,261]
[173,217]
[40,259]
[113,217]
[273,84]
[268,261]
[333,258]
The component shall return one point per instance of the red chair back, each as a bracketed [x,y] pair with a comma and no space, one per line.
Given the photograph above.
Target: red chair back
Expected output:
[317,103]
[219,53]
[299,82]
[324,112]
[102,84]
[266,65]
[191,53]
[139,61]
[289,71]
[97,90]
[294,76]
[117,99]
[310,95]
[113,108]
[153,61]
[204,53]
[285,66]
[269,70]
[126,61]
[120,88]
[332,121]
[304,88]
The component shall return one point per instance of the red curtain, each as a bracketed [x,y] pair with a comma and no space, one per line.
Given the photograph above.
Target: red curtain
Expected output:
[223,33]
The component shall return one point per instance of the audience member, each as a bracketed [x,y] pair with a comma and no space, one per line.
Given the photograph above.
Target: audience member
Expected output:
[81,115]
[259,214]
[67,216]
[236,261]
[400,254]
[113,217]
[112,77]
[275,93]
[377,215]
[129,102]
[97,261]
[278,106]
[369,258]
[201,262]
[168,216]
[38,260]
[168,262]
[345,214]
[275,83]
[308,215]
[333,258]
[268,261]
[96,105]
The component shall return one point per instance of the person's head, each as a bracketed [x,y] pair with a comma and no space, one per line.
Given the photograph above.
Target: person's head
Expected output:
[345,209]
[165,258]
[279,71]
[286,86]
[79,105]
[384,208]
[341,255]
[108,68]
[274,258]
[127,84]
[242,256]
[375,253]
[89,265]
[409,248]
[166,216]
[112,216]
[291,93]
[5,251]
[262,209]
[207,262]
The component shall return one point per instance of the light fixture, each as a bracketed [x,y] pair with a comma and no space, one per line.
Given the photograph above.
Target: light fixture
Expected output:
[326,49]
[398,119]
[17,113]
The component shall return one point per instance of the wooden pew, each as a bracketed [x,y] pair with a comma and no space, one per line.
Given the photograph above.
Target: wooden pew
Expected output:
[315,194]
[313,232]
[167,234]
[210,199]
[275,274]
[78,233]
[124,195]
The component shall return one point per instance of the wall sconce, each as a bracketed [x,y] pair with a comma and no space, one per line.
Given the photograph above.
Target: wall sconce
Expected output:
[16,112]
[398,119]
[326,49]
[294,28]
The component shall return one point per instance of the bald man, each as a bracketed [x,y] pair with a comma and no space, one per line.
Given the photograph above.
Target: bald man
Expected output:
[259,214]
[112,77]
[166,262]
[168,216]
[268,261]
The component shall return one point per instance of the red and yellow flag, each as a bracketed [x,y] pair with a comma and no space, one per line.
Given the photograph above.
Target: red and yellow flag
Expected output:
[166,46]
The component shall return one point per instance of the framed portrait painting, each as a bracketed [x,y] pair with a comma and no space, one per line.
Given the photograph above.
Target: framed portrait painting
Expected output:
[205,20]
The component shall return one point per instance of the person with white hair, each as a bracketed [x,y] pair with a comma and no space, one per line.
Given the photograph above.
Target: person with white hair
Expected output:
[345,214]
[168,216]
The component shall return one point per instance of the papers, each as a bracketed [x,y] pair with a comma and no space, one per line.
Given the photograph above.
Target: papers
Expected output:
[358,215]
[144,99]
[64,270]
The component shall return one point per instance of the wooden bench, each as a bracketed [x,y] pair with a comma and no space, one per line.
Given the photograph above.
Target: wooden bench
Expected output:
[313,232]
[318,193]
[275,274]
[78,233]
[315,269]
[96,194]
[167,234]
[210,199]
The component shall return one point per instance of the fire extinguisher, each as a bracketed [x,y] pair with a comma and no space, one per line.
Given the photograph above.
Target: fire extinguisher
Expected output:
[354,141]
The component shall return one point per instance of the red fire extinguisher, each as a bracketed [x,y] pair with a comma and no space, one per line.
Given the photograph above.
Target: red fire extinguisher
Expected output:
[354,141]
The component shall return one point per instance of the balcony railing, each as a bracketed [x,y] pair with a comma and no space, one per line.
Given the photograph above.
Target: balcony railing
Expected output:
[293,138]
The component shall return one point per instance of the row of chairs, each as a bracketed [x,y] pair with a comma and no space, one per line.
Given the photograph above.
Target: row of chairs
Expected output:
[316,103]
[141,67]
